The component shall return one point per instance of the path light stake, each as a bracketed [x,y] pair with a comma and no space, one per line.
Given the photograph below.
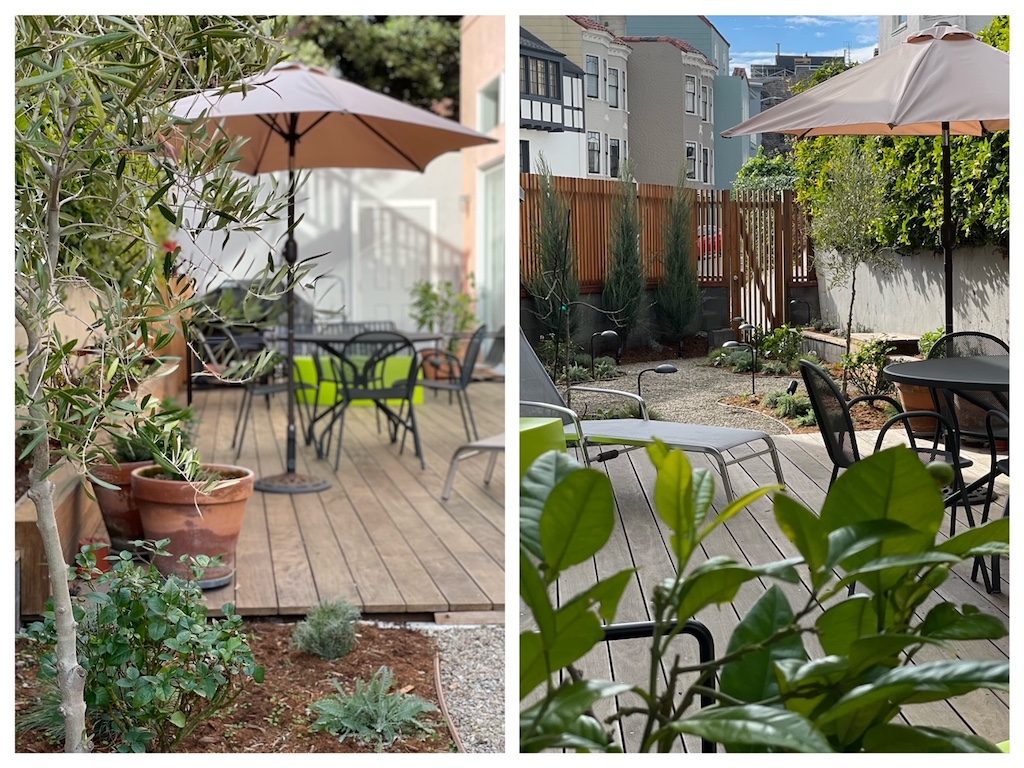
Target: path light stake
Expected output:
[753,358]
[663,368]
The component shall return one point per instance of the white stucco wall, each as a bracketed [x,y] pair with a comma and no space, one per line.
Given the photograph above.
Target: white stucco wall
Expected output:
[912,300]
[565,153]
[423,216]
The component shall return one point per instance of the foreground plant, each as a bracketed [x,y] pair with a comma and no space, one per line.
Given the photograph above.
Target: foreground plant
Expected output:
[156,665]
[329,629]
[876,530]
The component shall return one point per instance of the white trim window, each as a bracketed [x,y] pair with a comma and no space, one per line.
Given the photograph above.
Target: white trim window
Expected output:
[613,158]
[705,165]
[691,160]
[593,68]
[690,95]
[703,102]
[593,152]
[613,88]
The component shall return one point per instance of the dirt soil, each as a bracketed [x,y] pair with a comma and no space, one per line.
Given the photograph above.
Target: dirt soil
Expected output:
[276,716]
[865,415]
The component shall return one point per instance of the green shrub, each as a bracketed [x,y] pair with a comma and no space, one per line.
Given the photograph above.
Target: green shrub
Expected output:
[806,420]
[928,339]
[605,368]
[771,399]
[156,665]
[581,359]
[329,629]
[775,367]
[782,343]
[791,406]
[577,374]
[373,713]
[864,367]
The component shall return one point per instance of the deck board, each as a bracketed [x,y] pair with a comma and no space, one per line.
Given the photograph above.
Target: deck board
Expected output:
[379,536]
[640,540]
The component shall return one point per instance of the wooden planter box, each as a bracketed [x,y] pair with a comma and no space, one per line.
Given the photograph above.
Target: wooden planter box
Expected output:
[77,517]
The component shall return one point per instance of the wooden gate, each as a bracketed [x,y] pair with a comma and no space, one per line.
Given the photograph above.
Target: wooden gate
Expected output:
[764,250]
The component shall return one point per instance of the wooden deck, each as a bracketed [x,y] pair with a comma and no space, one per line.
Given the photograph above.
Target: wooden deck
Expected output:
[640,540]
[379,536]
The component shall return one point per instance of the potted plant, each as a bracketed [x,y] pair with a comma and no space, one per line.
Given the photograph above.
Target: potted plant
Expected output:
[198,507]
[914,397]
[447,310]
[111,477]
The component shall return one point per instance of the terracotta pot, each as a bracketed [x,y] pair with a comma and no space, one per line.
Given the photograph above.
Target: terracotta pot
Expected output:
[195,523]
[915,398]
[118,508]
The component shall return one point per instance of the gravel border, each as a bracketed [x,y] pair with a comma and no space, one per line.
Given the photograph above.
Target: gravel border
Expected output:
[472,671]
[692,395]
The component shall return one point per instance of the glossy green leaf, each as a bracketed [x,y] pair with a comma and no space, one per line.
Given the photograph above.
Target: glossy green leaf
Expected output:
[578,518]
[970,539]
[719,579]
[753,725]
[922,739]
[605,595]
[543,475]
[737,506]
[751,677]
[945,622]
[534,593]
[543,724]
[674,503]
[802,527]
[889,485]
[920,683]
[841,624]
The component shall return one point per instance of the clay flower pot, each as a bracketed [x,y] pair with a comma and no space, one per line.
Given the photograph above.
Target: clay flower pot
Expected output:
[195,523]
[120,514]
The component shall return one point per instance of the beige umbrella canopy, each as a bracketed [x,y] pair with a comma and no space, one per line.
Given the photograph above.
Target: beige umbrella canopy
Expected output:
[942,81]
[299,117]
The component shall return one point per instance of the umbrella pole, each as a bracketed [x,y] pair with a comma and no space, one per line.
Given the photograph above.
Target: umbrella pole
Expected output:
[947,235]
[290,481]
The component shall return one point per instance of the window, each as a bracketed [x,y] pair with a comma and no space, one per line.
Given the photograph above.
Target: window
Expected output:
[899,21]
[540,77]
[593,152]
[711,105]
[613,88]
[613,158]
[489,115]
[703,102]
[592,70]
[705,165]
[691,94]
[691,160]
[524,156]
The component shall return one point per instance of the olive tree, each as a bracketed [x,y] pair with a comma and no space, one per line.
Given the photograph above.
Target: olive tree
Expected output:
[93,131]
[852,202]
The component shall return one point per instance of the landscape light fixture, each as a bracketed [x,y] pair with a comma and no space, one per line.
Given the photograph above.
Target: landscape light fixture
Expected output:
[807,310]
[663,368]
[753,358]
[791,389]
[609,334]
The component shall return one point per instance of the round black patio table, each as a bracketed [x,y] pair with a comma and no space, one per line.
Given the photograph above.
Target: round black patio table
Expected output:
[960,376]
[986,373]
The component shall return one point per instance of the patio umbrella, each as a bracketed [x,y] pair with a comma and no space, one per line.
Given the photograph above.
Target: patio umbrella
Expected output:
[298,117]
[942,81]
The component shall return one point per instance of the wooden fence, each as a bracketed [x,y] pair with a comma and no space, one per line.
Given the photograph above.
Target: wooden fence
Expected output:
[755,228]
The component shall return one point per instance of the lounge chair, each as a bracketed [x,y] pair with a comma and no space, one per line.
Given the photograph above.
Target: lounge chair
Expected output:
[539,395]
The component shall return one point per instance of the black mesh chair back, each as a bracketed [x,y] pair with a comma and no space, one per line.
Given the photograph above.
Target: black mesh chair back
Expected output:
[365,370]
[832,413]
[476,341]
[970,417]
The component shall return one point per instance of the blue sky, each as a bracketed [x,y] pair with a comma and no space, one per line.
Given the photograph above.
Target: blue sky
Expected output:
[756,39]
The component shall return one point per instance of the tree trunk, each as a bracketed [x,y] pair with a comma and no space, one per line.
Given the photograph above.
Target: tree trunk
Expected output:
[70,674]
[849,326]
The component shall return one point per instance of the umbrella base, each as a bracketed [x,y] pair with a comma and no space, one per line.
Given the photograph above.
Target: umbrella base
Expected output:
[291,482]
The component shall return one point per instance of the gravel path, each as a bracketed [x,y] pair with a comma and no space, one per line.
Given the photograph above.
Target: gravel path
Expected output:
[691,395]
[473,683]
